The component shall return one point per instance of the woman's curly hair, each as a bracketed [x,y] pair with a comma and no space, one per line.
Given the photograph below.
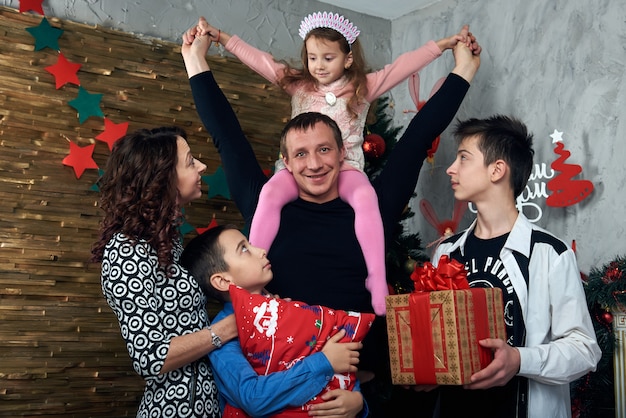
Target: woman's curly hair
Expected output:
[139,192]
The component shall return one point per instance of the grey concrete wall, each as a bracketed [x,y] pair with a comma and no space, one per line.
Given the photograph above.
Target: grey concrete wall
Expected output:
[271,25]
[555,64]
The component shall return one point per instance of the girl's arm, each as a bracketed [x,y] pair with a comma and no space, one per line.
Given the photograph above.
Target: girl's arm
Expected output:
[380,82]
[411,62]
[259,61]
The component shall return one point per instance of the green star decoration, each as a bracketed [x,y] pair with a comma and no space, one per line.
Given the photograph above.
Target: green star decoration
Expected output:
[45,35]
[86,104]
[217,184]
[94,187]
[185,227]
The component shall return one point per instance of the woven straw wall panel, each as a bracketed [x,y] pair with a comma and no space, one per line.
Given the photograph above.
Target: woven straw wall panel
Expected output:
[61,353]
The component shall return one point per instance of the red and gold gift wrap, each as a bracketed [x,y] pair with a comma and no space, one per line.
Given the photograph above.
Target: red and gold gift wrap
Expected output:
[434,331]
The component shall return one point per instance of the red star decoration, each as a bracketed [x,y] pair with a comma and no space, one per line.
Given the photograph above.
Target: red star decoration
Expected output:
[213,224]
[80,158]
[34,5]
[112,132]
[64,71]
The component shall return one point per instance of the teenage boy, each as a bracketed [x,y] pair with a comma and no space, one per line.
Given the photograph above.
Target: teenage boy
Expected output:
[551,340]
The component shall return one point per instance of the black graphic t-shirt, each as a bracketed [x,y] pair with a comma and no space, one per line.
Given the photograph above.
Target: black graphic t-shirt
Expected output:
[485,269]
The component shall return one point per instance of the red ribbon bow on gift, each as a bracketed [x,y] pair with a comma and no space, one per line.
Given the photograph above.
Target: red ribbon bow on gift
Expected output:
[448,275]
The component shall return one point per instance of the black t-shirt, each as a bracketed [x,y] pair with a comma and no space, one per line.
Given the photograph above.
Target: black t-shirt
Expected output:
[485,269]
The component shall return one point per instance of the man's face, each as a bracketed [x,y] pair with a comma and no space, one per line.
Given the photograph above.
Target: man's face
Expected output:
[314,160]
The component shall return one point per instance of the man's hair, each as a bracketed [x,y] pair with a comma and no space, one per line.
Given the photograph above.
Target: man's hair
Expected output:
[502,138]
[304,122]
[203,257]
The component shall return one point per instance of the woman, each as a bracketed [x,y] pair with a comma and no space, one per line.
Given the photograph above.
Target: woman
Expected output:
[149,177]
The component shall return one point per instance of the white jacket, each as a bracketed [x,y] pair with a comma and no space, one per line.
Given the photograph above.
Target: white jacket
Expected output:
[561,343]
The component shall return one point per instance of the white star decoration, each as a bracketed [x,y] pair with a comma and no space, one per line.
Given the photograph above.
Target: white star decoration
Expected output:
[556,136]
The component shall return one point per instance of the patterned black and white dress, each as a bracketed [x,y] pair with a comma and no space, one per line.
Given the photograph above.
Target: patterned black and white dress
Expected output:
[152,309]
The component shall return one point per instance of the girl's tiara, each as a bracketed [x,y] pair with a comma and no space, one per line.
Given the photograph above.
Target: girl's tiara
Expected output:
[329,20]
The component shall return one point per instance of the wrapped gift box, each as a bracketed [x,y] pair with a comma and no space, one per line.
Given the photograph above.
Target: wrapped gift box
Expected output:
[433,335]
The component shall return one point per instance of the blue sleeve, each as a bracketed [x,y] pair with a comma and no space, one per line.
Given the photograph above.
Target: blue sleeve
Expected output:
[259,395]
[244,175]
[396,182]
[239,385]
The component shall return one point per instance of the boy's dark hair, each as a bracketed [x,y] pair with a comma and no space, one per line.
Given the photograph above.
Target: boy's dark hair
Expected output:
[203,256]
[305,121]
[502,138]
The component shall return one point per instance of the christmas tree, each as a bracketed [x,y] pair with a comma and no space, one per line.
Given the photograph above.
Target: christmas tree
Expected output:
[405,250]
[593,395]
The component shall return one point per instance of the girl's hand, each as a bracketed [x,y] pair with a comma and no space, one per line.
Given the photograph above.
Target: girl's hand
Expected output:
[215,35]
[451,41]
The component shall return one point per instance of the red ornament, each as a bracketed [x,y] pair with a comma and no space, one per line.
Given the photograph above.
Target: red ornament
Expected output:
[373,146]
[613,274]
[607,317]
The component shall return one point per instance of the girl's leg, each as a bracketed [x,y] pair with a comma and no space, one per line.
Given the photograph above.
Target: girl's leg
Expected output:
[276,193]
[356,189]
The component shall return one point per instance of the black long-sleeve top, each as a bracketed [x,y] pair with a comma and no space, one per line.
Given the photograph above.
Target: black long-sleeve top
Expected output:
[315,256]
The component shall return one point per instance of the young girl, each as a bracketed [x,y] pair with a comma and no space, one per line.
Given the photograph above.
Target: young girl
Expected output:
[333,81]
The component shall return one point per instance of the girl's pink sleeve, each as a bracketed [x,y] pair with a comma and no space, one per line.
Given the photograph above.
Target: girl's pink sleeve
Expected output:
[259,61]
[380,82]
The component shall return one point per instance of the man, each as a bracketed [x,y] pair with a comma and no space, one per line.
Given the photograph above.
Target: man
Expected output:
[315,256]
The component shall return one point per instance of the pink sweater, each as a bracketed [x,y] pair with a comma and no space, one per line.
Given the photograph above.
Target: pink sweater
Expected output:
[304,99]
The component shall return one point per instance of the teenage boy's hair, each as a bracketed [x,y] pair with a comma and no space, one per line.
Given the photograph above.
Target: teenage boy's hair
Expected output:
[204,256]
[502,138]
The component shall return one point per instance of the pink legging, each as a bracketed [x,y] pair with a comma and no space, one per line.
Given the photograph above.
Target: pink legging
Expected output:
[354,189]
